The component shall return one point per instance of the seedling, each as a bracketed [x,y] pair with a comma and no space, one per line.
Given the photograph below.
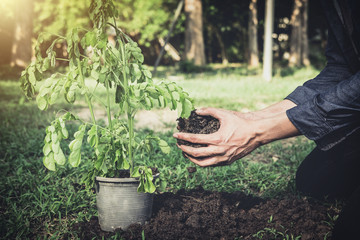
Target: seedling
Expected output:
[119,68]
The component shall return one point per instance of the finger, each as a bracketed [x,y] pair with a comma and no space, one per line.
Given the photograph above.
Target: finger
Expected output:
[207,162]
[208,151]
[195,138]
[214,112]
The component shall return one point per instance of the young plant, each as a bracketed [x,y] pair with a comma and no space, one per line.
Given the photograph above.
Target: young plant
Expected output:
[129,86]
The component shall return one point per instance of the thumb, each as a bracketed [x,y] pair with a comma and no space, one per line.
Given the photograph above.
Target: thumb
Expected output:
[214,112]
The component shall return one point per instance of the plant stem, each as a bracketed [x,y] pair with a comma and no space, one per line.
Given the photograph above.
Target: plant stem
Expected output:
[86,94]
[129,113]
[131,137]
[108,105]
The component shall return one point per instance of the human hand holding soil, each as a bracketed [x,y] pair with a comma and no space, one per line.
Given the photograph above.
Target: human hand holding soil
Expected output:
[231,142]
[238,135]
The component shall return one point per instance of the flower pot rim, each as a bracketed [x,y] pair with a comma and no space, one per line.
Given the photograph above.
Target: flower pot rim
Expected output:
[121,180]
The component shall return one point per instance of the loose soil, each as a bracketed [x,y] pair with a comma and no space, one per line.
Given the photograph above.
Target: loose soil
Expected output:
[200,214]
[197,124]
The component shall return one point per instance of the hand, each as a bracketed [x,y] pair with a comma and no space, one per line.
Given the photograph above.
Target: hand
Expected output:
[235,138]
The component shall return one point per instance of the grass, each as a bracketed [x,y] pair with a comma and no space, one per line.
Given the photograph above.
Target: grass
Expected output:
[38,204]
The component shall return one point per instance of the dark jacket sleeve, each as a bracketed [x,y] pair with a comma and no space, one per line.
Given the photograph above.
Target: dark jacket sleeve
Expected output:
[331,116]
[335,71]
[328,106]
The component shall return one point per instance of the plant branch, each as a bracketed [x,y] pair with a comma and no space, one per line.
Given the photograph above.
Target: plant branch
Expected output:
[108,104]
[86,94]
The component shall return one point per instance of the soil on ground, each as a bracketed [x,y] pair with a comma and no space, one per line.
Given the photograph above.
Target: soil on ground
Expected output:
[200,214]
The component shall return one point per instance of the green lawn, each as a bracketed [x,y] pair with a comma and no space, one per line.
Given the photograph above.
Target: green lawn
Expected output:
[36,203]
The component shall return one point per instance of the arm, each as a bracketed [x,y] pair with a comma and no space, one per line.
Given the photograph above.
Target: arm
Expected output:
[236,137]
[328,118]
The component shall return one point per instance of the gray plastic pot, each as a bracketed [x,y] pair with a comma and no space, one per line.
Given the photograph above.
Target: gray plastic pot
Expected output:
[119,204]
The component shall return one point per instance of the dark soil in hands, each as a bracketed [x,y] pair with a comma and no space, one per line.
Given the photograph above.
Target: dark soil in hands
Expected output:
[200,214]
[197,124]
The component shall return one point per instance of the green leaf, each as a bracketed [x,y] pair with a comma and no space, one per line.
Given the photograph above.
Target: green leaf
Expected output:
[53,60]
[122,162]
[136,172]
[64,132]
[152,92]
[55,146]
[44,90]
[46,64]
[75,157]
[187,107]
[54,96]
[90,38]
[141,187]
[60,157]
[93,138]
[41,102]
[75,147]
[32,78]
[162,101]
[95,74]
[165,148]
[51,128]
[48,137]
[147,73]
[49,162]
[135,71]
[99,162]
[70,96]
[54,137]
[149,185]
[101,44]
[46,149]
[104,168]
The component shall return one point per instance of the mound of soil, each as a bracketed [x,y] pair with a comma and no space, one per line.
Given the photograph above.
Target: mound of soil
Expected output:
[197,124]
[200,214]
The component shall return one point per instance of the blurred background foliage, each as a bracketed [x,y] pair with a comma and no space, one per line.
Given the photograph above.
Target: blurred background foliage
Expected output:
[148,21]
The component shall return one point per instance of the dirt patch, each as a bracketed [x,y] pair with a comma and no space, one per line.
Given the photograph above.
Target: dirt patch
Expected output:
[200,214]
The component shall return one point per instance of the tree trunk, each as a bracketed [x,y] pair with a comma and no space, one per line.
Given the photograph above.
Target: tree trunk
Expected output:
[269,27]
[253,59]
[222,46]
[21,52]
[194,41]
[304,36]
[209,40]
[299,48]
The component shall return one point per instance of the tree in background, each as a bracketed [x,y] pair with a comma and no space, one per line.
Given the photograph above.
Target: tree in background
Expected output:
[226,35]
[268,41]
[194,41]
[21,51]
[228,27]
[7,19]
[60,16]
[145,20]
[253,59]
[299,46]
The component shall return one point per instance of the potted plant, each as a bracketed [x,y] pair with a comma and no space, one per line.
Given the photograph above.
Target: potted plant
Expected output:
[129,87]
